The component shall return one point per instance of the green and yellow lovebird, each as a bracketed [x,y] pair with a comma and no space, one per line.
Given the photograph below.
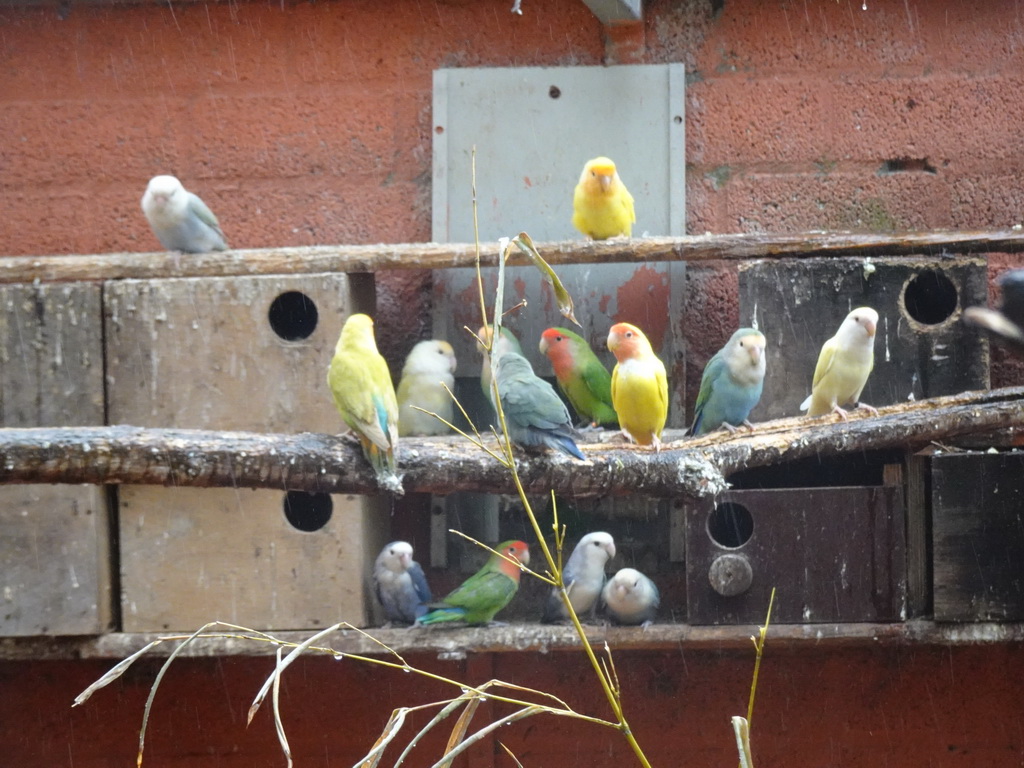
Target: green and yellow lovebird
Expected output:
[365,397]
[581,376]
[484,593]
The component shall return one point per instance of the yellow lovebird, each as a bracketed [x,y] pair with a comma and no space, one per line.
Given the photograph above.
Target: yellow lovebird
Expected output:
[365,397]
[844,364]
[601,205]
[639,385]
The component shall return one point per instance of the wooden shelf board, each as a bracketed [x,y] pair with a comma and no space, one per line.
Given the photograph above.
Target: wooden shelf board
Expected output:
[455,643]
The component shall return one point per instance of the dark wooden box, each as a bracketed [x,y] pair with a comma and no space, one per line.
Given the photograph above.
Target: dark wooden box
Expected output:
[978,536]
[921,347]
[833,555]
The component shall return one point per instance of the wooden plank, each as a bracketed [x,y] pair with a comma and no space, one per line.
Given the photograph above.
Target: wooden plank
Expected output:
[919,561]
[372,258]
[204,353]
[977,536]
[323,463]
[533,638]
[51,355]
[800,304]
[54,557]
[833,554]
[54,551]
[189,556]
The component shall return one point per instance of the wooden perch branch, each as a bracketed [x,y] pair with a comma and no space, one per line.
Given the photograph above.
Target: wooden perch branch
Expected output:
[323,463]
[371,258]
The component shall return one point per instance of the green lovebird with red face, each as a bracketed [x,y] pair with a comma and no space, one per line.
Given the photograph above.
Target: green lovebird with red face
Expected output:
[581,376]
[484,593]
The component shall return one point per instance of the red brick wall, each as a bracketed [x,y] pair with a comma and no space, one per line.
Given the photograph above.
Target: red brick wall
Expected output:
[853,707]
[309,123]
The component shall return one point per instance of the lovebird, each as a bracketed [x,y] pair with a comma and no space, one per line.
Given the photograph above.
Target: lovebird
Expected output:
[429,368]
[180,220]
[639,385]
[629,597]
[601,205]
[581,376]
[534,413]
[399,584]
[486,592]
[583,577]
[507,342]
[361,384]
[1007,322]
[731,384]
[843,366]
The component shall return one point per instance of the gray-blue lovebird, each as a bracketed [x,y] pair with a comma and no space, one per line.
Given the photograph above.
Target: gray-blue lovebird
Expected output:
[731,384]
[400,584]
[180,220]
[630,597]
[583,577]
[534,413]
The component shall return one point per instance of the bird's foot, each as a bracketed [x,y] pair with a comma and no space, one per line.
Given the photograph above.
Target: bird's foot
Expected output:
[729,428]
[656,444]
[748,425]
[869,408]
[840,413]
[493,623]
[645,625]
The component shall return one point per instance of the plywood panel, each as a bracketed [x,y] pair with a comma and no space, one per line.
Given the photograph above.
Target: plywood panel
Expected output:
[978,536]
[201,353]
[834,554]
[54,561]
[189,556]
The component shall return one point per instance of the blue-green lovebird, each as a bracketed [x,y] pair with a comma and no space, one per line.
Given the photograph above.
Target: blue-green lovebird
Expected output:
[484,593]
[731,384]
[534,413]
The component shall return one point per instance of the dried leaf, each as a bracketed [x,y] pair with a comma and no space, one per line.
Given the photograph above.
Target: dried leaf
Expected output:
[562,296]
[112,674]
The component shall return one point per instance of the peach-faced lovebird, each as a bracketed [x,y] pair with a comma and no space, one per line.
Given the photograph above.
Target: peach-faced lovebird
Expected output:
[507,342]
[583,577]
[639,385]
[180,220]
[581,376]
[485,592]
[843,366]
[629,597]
[361,384]
[429,368]
[399,584]
[534,413]
[601,205]
[731,384]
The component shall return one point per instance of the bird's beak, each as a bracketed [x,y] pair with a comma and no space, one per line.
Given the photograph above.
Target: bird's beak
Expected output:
[404,560]
[755,354]
[870,327]
[611,550]
[543,345]
[605,181]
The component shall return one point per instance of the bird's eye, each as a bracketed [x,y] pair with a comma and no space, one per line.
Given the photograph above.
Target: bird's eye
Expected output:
[629,334]
[558,338]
